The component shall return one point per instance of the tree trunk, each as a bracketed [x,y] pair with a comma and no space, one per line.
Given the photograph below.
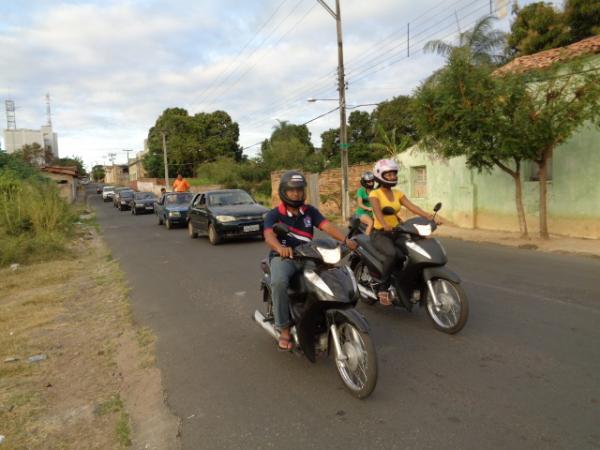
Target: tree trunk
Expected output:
[520,209]
[542,163]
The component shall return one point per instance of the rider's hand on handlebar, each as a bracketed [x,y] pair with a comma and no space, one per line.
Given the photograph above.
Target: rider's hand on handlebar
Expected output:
[352,245]
[438,220]
[285,252]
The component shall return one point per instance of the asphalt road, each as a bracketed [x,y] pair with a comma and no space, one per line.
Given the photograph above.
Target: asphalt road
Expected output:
[524,373]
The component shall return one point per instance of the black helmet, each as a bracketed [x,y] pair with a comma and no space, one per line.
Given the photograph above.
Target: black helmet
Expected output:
[291,180]
[367,180]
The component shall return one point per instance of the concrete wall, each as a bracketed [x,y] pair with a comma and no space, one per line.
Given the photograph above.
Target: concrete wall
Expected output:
[15,139]
[155,184]
[66,184]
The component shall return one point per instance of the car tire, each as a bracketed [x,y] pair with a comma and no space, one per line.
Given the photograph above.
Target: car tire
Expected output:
[160,220]
[192,233]
[213,235]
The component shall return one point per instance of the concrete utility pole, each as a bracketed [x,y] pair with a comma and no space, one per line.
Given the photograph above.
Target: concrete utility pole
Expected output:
[342,99]
[164,142]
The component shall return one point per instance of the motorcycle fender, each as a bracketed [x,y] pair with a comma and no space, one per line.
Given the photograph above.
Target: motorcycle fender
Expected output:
[430,273]
[351,315]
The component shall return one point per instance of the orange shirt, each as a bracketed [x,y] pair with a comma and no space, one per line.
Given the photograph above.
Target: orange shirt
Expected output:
[181,185]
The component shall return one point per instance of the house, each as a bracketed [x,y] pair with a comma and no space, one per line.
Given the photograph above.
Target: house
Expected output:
[487,201]
[66,179]
[116,175]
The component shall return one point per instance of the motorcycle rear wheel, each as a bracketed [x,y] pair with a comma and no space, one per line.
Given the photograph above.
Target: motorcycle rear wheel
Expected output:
[359,371]
[452,313]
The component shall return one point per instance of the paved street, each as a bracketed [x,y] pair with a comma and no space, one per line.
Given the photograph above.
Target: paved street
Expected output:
[524,373]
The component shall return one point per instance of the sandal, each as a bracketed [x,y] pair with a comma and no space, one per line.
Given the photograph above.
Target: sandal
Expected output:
[285,344]
[384,298]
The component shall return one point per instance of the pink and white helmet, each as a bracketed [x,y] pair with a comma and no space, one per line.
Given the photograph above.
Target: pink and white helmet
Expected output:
[382,166]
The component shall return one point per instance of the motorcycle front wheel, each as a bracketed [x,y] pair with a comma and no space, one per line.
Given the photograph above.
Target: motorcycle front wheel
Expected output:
[452,311]
[358,367]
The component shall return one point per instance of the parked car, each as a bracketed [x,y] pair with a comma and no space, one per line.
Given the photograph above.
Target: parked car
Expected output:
[172,208]
[124,198]
[225,214]
[116,196]
[108,193]
[142,202]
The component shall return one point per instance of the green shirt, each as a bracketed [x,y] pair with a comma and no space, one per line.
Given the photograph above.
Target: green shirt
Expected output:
[362,193]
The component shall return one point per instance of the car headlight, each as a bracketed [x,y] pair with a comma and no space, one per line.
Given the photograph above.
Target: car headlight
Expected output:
[174,213]
[225,218]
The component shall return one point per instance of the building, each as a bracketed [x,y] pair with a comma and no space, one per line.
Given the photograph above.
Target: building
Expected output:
[136,166]
[66,179]
[15,139]
[116,175]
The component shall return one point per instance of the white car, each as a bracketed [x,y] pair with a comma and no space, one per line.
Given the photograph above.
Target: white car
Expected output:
[108,192]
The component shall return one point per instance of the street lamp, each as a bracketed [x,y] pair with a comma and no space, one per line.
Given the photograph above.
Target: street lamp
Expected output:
[342,99]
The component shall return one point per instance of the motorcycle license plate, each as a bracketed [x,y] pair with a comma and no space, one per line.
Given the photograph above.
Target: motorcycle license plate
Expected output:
[250,228]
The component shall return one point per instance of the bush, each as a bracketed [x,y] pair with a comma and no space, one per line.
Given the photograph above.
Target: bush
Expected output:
[247,175]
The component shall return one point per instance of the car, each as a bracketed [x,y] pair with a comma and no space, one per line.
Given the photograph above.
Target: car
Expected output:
[226,213]
[116,196]
[108,193]
[172,208]
[142,202]
[124,198]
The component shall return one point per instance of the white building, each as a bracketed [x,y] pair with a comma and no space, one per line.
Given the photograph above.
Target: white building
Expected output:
[15,139]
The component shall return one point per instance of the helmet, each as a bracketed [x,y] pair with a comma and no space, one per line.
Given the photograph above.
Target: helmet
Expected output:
[291,180]
[382,166]
[367,180]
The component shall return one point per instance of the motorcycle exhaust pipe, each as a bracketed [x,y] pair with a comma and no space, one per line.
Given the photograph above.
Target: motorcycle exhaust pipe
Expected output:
[266,325]
[367,292]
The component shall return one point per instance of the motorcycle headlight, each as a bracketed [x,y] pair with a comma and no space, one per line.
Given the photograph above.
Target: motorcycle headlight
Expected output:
[225,218]
[330,255]
[423,230]
[174,213]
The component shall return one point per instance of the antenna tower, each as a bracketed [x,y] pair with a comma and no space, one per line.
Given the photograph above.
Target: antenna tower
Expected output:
[48,112]
[11,121]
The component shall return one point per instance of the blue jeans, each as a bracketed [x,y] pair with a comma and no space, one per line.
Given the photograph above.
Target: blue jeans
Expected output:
[282,271]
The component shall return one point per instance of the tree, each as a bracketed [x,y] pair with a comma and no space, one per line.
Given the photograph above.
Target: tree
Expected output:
[330,145]
[464,111]
[74,161]
[537,27]
[555,106]
[482,43]
[35,155]
[191,140]
[397,114]
[290,153]
[98,173]
[389,144]
[583,18]
[286,131]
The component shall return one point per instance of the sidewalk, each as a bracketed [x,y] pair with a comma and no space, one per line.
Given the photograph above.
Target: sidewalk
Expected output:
[556,244]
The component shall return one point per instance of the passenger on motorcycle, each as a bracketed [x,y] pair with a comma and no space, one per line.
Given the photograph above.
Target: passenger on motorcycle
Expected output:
[386,175]
[300,220]
[364,211]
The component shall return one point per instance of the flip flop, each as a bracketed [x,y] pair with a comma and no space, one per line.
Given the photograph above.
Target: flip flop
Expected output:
[386,302]
[289,346]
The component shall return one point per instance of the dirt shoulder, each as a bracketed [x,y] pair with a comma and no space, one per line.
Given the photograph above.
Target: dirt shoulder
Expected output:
[93,384]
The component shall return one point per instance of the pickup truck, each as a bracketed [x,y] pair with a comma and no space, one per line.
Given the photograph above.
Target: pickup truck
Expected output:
[172,208]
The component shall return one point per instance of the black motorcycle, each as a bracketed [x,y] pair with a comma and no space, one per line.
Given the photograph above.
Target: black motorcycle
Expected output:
[420,278]
[323,296]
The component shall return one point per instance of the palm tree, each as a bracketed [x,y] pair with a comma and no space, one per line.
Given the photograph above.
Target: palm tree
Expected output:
[483,44]
[389,142]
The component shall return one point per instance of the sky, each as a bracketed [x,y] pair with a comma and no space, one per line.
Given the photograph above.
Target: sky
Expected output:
[112,67]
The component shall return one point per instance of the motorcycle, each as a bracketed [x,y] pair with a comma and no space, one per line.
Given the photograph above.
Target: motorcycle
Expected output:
[323,296]
[421,278]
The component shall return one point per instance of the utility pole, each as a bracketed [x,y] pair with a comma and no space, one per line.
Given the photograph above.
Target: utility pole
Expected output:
[342,99]
[128,152]
[164,142]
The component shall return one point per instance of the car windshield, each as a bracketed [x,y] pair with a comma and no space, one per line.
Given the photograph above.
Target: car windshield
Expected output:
[108,188]
[178,199]
[126,193]
[230,198]
[144,195]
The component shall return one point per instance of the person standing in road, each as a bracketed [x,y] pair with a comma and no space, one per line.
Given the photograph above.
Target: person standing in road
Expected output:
[300,220]
[180,184]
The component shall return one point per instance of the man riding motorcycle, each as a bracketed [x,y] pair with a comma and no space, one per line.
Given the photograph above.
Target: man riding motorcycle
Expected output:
[300,219]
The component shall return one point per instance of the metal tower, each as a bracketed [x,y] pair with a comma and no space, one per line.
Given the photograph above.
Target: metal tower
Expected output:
[48,112]
[11,121]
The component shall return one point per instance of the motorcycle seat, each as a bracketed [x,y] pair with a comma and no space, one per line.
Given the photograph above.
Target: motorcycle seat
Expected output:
[365,242]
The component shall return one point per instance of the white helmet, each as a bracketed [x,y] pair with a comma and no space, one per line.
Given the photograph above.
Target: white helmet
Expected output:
[382,166]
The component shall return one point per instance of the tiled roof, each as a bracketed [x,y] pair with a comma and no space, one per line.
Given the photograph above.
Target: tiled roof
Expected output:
[547,58]
[62,170]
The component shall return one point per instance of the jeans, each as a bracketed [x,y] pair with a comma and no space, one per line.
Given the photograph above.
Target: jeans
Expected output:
[384,243]
[282,271]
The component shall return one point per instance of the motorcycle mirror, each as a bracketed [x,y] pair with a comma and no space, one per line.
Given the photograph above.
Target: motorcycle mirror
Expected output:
[437,207]
[388,211]
[280,229]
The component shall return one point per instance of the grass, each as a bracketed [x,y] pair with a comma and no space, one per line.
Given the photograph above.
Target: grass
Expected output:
[114,404]
[123,430]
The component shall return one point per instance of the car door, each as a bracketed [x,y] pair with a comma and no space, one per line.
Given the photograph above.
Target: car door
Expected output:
[202,214]
[193,214]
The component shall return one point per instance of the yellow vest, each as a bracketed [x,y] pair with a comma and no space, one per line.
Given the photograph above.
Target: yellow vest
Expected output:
[392,221]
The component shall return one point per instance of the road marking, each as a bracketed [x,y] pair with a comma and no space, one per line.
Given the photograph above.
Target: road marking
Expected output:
[536,296]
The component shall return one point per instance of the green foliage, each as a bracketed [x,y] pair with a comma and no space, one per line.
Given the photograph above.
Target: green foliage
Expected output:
[537,27]
[191,140]
[285,131]
[35,155]
[247,175]
[98,173]
[390,145]
[74,161]
[396,113]
[583,18]
[34,220]
[282,154]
